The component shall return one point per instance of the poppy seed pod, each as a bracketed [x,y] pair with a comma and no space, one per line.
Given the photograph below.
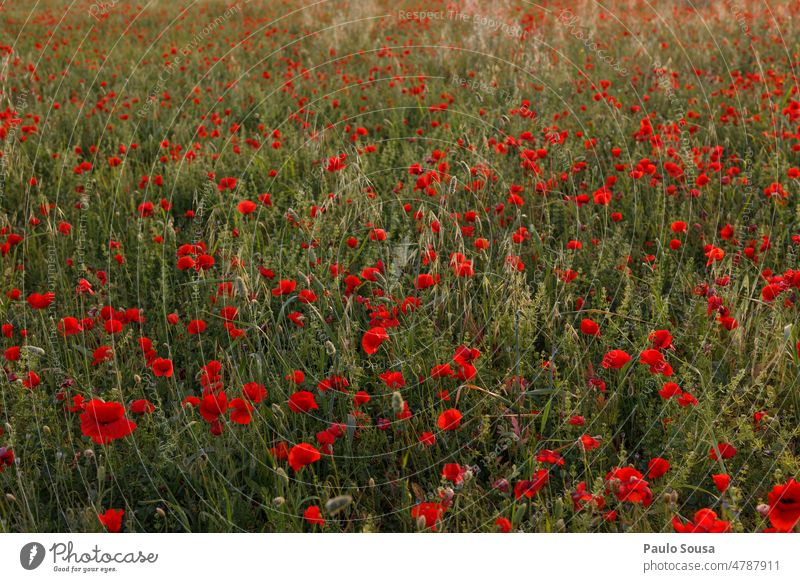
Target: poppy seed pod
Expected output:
[278,501]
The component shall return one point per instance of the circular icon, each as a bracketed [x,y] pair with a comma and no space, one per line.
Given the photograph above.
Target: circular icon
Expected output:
[31,555]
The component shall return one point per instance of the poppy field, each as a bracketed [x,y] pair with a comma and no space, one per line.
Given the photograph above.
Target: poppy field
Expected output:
[340,266]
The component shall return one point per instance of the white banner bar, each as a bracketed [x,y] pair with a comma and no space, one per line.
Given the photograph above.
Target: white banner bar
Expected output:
[401,557]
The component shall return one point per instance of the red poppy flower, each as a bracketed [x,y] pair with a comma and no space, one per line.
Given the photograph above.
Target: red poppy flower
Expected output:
[240,411]
[427,438]
[303,454]
[627,484]
[450,419]
[302,401]
[142,406]
[430,512]
[254,392]
[721,481]
[615,359]
[212,405]
[226,184]
[296,377]
[105,421]
[725,450]
[784,505]
[705,521]
[285,287]
[373,339]
[196,326]
[424,281]
[31,380]
[313,515]
[69,326]
[453,473]
[334,382]
[657,467]
[41,300]
[393,380]
[589,327]
[102,354]
[589,443]
[550,457]
[668,390]
[655,359]
[530,488]
[112,520]
[503,524]
[6,458]
[247,207]
[162,367]
[661,339]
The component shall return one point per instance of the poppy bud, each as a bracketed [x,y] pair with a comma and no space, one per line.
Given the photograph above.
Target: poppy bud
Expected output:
[421,525]
[762,509]
[337,504]
[160,512]
[397,403]
[371,482]
[558,511]
[276,410]
[89,454]
[278,501]
[46,429]
[614,485]
[674,497]
[467,475]
[137,379]
[101,473]
[330,349]
[559,526]
[241,287]
[11,498]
